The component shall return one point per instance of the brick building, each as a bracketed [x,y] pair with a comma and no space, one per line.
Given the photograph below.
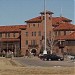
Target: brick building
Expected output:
[30,37]
[10,38]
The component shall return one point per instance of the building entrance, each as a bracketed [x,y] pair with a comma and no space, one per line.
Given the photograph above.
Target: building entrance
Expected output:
[33,51]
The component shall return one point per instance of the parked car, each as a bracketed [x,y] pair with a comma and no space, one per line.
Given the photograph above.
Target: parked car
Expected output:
[50,57]
[71,57]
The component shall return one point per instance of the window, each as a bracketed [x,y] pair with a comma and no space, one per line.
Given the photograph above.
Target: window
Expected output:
[8,34]
[5,34]
[33,25]
[38,24]
[13,34]
[39,33]
[26,42]
[64,32]
[58,33]
[26,33]
[0,35]
[34,33]
[33,42]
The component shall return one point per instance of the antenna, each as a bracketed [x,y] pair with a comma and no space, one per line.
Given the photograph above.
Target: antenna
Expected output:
[61,12]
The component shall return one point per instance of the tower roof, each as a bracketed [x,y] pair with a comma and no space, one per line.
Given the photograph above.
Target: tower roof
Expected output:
[47,12]
[58,20]
[36,19]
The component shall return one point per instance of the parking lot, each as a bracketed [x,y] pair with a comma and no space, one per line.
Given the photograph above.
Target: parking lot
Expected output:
[35,61]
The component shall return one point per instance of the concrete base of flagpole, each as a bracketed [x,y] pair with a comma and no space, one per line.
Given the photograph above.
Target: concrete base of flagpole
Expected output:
[44,52]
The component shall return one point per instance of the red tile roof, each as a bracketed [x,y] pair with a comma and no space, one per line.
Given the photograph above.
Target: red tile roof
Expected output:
[14,28]
[58,20]
[65,26]
[71,36]
[55,20]
[66,37]
[36,19]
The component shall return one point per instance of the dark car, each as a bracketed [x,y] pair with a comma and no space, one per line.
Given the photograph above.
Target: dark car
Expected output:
[50,57]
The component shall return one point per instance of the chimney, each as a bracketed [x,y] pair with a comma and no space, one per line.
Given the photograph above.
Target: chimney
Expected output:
[48,14]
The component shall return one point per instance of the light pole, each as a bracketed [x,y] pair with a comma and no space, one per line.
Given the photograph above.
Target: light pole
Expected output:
[45,51]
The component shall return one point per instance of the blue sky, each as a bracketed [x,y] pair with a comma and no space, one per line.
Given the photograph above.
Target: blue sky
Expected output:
[13,12]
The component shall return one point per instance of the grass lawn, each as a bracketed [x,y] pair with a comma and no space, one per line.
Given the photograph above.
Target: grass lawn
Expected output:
[7,67]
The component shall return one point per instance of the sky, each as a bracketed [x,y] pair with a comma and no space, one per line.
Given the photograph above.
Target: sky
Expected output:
[15,12]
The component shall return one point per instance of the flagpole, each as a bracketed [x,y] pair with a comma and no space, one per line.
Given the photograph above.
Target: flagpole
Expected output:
[45,51]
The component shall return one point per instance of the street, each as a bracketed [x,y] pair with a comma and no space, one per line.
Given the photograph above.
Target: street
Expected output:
[35,61]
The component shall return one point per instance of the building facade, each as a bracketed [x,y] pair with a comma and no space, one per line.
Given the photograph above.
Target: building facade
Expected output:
[30,37]
[10,38]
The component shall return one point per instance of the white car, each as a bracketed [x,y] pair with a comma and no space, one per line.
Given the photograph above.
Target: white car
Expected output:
[71,57]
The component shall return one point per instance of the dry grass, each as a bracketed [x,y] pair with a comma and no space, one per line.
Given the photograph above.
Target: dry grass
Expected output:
[7,67]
